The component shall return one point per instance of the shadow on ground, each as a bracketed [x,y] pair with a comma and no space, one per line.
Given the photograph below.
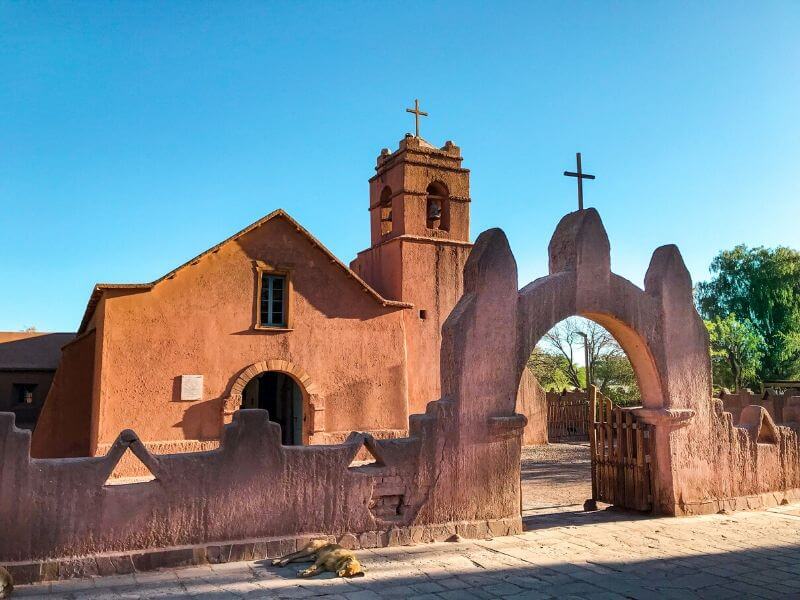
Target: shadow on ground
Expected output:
[548,518]
[466,571]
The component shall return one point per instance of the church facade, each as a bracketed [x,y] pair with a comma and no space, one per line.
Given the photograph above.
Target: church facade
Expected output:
[271,319]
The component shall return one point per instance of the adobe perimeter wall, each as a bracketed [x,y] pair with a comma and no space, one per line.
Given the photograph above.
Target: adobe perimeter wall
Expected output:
[782,408]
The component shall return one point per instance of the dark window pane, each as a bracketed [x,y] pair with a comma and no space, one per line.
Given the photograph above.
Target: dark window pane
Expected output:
[272,309]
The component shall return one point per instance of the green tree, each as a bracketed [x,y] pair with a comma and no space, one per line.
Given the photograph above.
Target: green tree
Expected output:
[551,370]
[614,376]
[737,349]
[762,286]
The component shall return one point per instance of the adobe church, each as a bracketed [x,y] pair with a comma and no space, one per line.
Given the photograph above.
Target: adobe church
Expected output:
[271,319]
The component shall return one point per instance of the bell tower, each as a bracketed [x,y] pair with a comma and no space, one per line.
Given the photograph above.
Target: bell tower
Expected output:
[419,229]
[419,190]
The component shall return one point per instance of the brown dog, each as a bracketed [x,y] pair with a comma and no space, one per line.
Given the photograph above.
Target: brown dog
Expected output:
[326,557]
[6,583]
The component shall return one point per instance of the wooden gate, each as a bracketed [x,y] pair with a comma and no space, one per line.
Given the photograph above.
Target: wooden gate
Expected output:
[567,416]
[621,447]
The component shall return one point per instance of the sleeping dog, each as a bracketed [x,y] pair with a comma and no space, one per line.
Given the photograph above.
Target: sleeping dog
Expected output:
[6,583]
[326,557]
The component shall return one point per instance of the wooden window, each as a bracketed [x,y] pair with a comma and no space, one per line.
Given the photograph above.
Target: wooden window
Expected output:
[274,300]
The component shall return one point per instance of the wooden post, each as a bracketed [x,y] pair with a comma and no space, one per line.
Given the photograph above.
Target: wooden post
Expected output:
[641,466]
[619,456]
[592,437]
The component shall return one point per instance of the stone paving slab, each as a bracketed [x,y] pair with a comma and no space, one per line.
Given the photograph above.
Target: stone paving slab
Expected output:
[602,555]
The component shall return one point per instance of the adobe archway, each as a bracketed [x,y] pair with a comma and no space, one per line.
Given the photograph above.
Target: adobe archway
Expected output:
[658,327]
[492,331]
[312,397]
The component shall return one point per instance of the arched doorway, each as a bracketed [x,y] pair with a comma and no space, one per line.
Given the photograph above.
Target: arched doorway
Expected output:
[312,411]
[280,395]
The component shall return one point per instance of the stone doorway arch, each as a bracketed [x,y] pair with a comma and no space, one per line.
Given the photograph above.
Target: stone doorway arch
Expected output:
[313,401]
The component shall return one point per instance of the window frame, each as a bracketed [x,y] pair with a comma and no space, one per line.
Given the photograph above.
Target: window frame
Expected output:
[264,271]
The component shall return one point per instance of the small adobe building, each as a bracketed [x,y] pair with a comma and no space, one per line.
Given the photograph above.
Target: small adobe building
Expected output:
[28,362]
[269,318]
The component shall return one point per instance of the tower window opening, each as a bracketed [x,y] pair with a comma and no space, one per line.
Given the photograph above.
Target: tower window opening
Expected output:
[437,209]
[386,210]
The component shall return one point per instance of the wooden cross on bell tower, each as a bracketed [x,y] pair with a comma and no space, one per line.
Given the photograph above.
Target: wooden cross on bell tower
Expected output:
[417,114]
[580,175]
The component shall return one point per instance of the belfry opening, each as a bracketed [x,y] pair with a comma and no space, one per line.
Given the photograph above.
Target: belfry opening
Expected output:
[281,396]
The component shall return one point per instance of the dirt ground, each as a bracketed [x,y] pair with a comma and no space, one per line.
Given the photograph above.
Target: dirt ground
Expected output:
[555,478]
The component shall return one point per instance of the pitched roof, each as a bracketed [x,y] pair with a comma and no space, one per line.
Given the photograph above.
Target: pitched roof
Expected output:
[21,350]
[99,288]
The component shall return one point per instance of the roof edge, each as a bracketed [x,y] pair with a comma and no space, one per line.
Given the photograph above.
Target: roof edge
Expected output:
[100,288]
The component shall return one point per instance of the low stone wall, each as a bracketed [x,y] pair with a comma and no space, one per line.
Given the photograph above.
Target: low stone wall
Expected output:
[249,497]
[782,408]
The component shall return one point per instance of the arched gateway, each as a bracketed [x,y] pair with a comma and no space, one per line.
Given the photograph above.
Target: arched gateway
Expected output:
[700,461]
[658,327]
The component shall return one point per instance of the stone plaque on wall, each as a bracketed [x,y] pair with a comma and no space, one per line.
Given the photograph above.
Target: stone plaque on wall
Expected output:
[191,387]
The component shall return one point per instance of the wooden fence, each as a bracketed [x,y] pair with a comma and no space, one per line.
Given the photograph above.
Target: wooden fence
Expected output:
[567,416]
[621,447]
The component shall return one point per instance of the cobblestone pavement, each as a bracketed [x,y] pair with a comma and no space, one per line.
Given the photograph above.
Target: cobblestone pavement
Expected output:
[606,554]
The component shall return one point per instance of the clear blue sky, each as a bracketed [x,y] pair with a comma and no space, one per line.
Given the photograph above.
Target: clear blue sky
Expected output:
[134,135]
